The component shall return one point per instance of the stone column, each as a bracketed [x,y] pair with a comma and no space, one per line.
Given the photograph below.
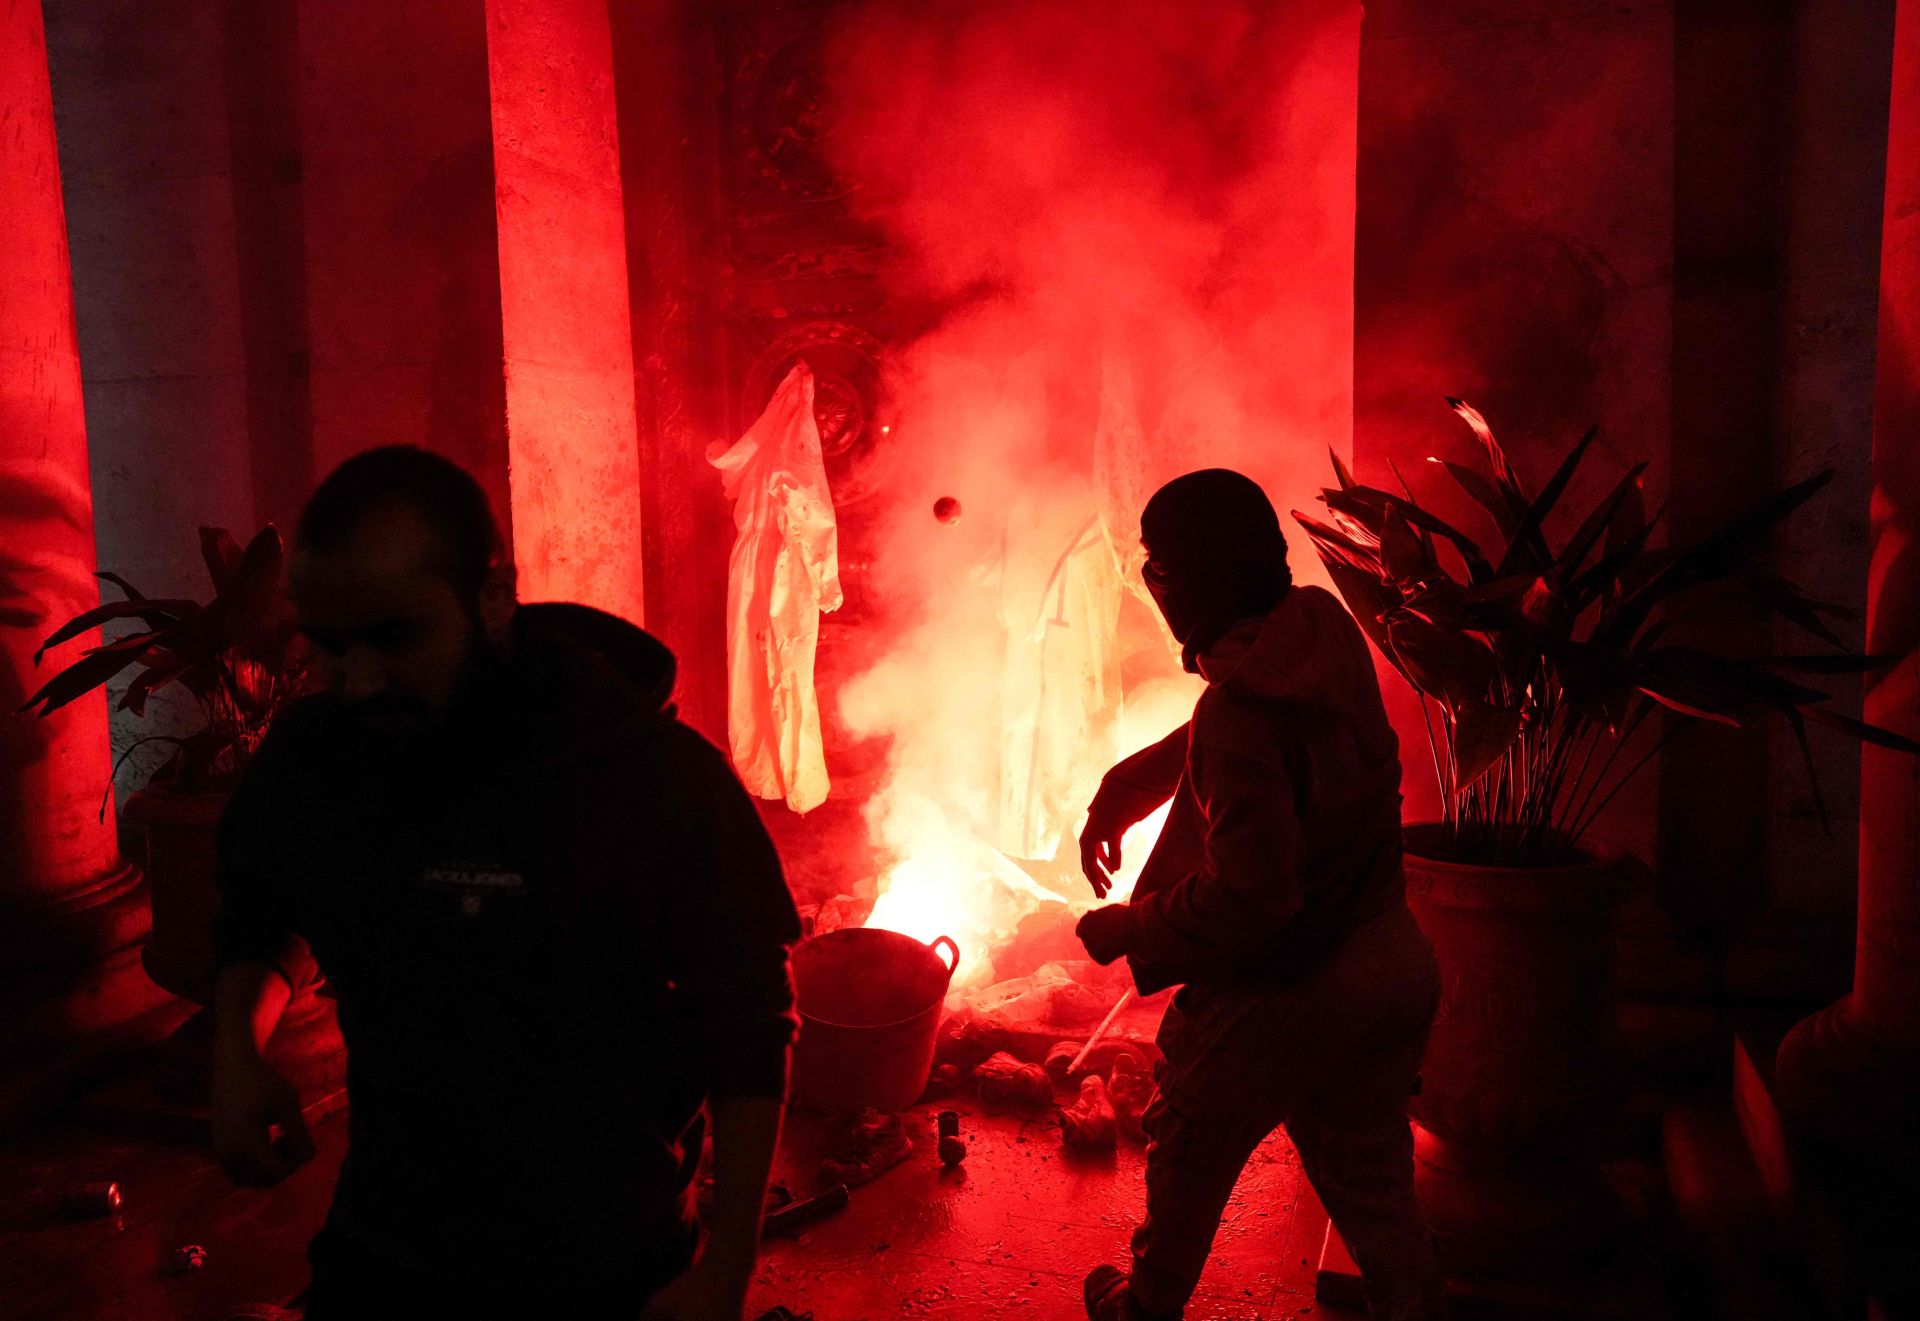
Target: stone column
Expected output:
[145,167]
[466,282]
[72,913]
[1851,1073]
[667,78]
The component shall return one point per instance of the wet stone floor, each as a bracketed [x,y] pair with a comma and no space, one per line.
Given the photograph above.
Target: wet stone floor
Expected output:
[1011,1233]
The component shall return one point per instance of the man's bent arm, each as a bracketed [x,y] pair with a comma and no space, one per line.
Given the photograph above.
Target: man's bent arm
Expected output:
[746,1130]
[248,1000]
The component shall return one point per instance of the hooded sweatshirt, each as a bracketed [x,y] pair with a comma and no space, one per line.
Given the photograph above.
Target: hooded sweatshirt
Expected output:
[1284,835]
[554,929]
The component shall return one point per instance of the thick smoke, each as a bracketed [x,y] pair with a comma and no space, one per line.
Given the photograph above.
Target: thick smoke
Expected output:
[1137,219]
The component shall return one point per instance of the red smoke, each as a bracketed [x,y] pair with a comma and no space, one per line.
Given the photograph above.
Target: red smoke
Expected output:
[1137,221]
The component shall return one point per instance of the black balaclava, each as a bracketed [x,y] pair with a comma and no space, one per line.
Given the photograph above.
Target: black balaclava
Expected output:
[1215,556]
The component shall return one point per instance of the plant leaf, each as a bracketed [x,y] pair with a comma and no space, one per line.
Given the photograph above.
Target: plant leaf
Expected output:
[1485,494]
[221,553]
[1402,553]
[1786,598]
[1451,664]
[1341,473]
[1368,507]
[79,678]
[1482,733]
[1341,545]
[1503,471]
[1604,519]
[133,593]
[154,614]
[1798,724]
[146,684]
[1715,556]
[1845,663]
[1687,708]
[1595,681]
[255,585]
[1528,536]
[1866,733]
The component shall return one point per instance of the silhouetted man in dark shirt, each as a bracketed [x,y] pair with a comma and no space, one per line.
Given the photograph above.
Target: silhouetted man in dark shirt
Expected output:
[555,928]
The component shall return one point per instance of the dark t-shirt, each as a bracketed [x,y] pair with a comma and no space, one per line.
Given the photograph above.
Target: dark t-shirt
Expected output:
[553,933]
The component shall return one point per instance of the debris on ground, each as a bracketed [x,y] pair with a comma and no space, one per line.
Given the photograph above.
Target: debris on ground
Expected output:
[1054,995]
[1130,1093]
[953,1147]
[1006,1083]
[1109,1055]
[965,1040]
[181,1260]
[1090,1122]
[794,1216]
[943,1082]
[95,1200]
[875,1144]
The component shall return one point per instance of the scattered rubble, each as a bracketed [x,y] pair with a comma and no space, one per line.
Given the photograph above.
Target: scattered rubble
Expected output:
[1109,1055]
[794,1216]
[1090,1121]
[861,1154]
[953,1148]
[183,1260]
[1008,1084]
[95,1200]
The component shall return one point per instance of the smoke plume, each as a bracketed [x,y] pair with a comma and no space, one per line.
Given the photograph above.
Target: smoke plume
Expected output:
[1136,218]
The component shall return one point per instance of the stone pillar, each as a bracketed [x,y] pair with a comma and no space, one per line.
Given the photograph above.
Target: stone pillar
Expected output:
[145,166]
[466,267]
[71,911]
[571,431]
[667,77]
[1851,1074]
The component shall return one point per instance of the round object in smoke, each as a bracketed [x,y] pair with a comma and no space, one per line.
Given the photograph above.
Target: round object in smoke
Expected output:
[947,509]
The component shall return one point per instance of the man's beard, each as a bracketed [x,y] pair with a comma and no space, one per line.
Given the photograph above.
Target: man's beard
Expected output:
[398,723]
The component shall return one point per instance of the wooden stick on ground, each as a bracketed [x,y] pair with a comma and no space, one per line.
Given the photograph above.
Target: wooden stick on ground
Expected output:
[1100,1031]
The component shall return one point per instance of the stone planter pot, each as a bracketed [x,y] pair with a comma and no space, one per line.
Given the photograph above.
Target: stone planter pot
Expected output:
[181,857]
[1521,1078]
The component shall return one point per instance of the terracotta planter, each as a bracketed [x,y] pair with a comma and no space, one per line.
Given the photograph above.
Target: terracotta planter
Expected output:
[180,831]
[1521,1076]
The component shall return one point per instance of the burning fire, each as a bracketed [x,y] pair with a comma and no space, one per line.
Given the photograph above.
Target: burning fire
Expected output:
[948,881]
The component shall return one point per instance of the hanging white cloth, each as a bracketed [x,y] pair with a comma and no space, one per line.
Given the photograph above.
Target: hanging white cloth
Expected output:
[784,572]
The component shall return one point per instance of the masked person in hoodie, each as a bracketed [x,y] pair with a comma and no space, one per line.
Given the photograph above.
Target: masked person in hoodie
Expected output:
[1274,900]
[555,928]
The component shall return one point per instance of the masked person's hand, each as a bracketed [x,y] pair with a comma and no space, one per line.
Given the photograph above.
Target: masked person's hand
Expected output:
[1104,932]
[250,1097]
[706,1291]
[1108,819]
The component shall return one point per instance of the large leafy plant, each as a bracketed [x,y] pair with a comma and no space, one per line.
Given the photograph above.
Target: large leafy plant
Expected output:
[1542,660]
[237,655]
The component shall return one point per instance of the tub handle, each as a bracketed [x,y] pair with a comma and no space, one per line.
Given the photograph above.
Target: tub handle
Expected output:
[952,949]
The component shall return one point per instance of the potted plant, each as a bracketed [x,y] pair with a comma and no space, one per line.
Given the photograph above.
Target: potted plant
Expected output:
[238,657]
[1536,666]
